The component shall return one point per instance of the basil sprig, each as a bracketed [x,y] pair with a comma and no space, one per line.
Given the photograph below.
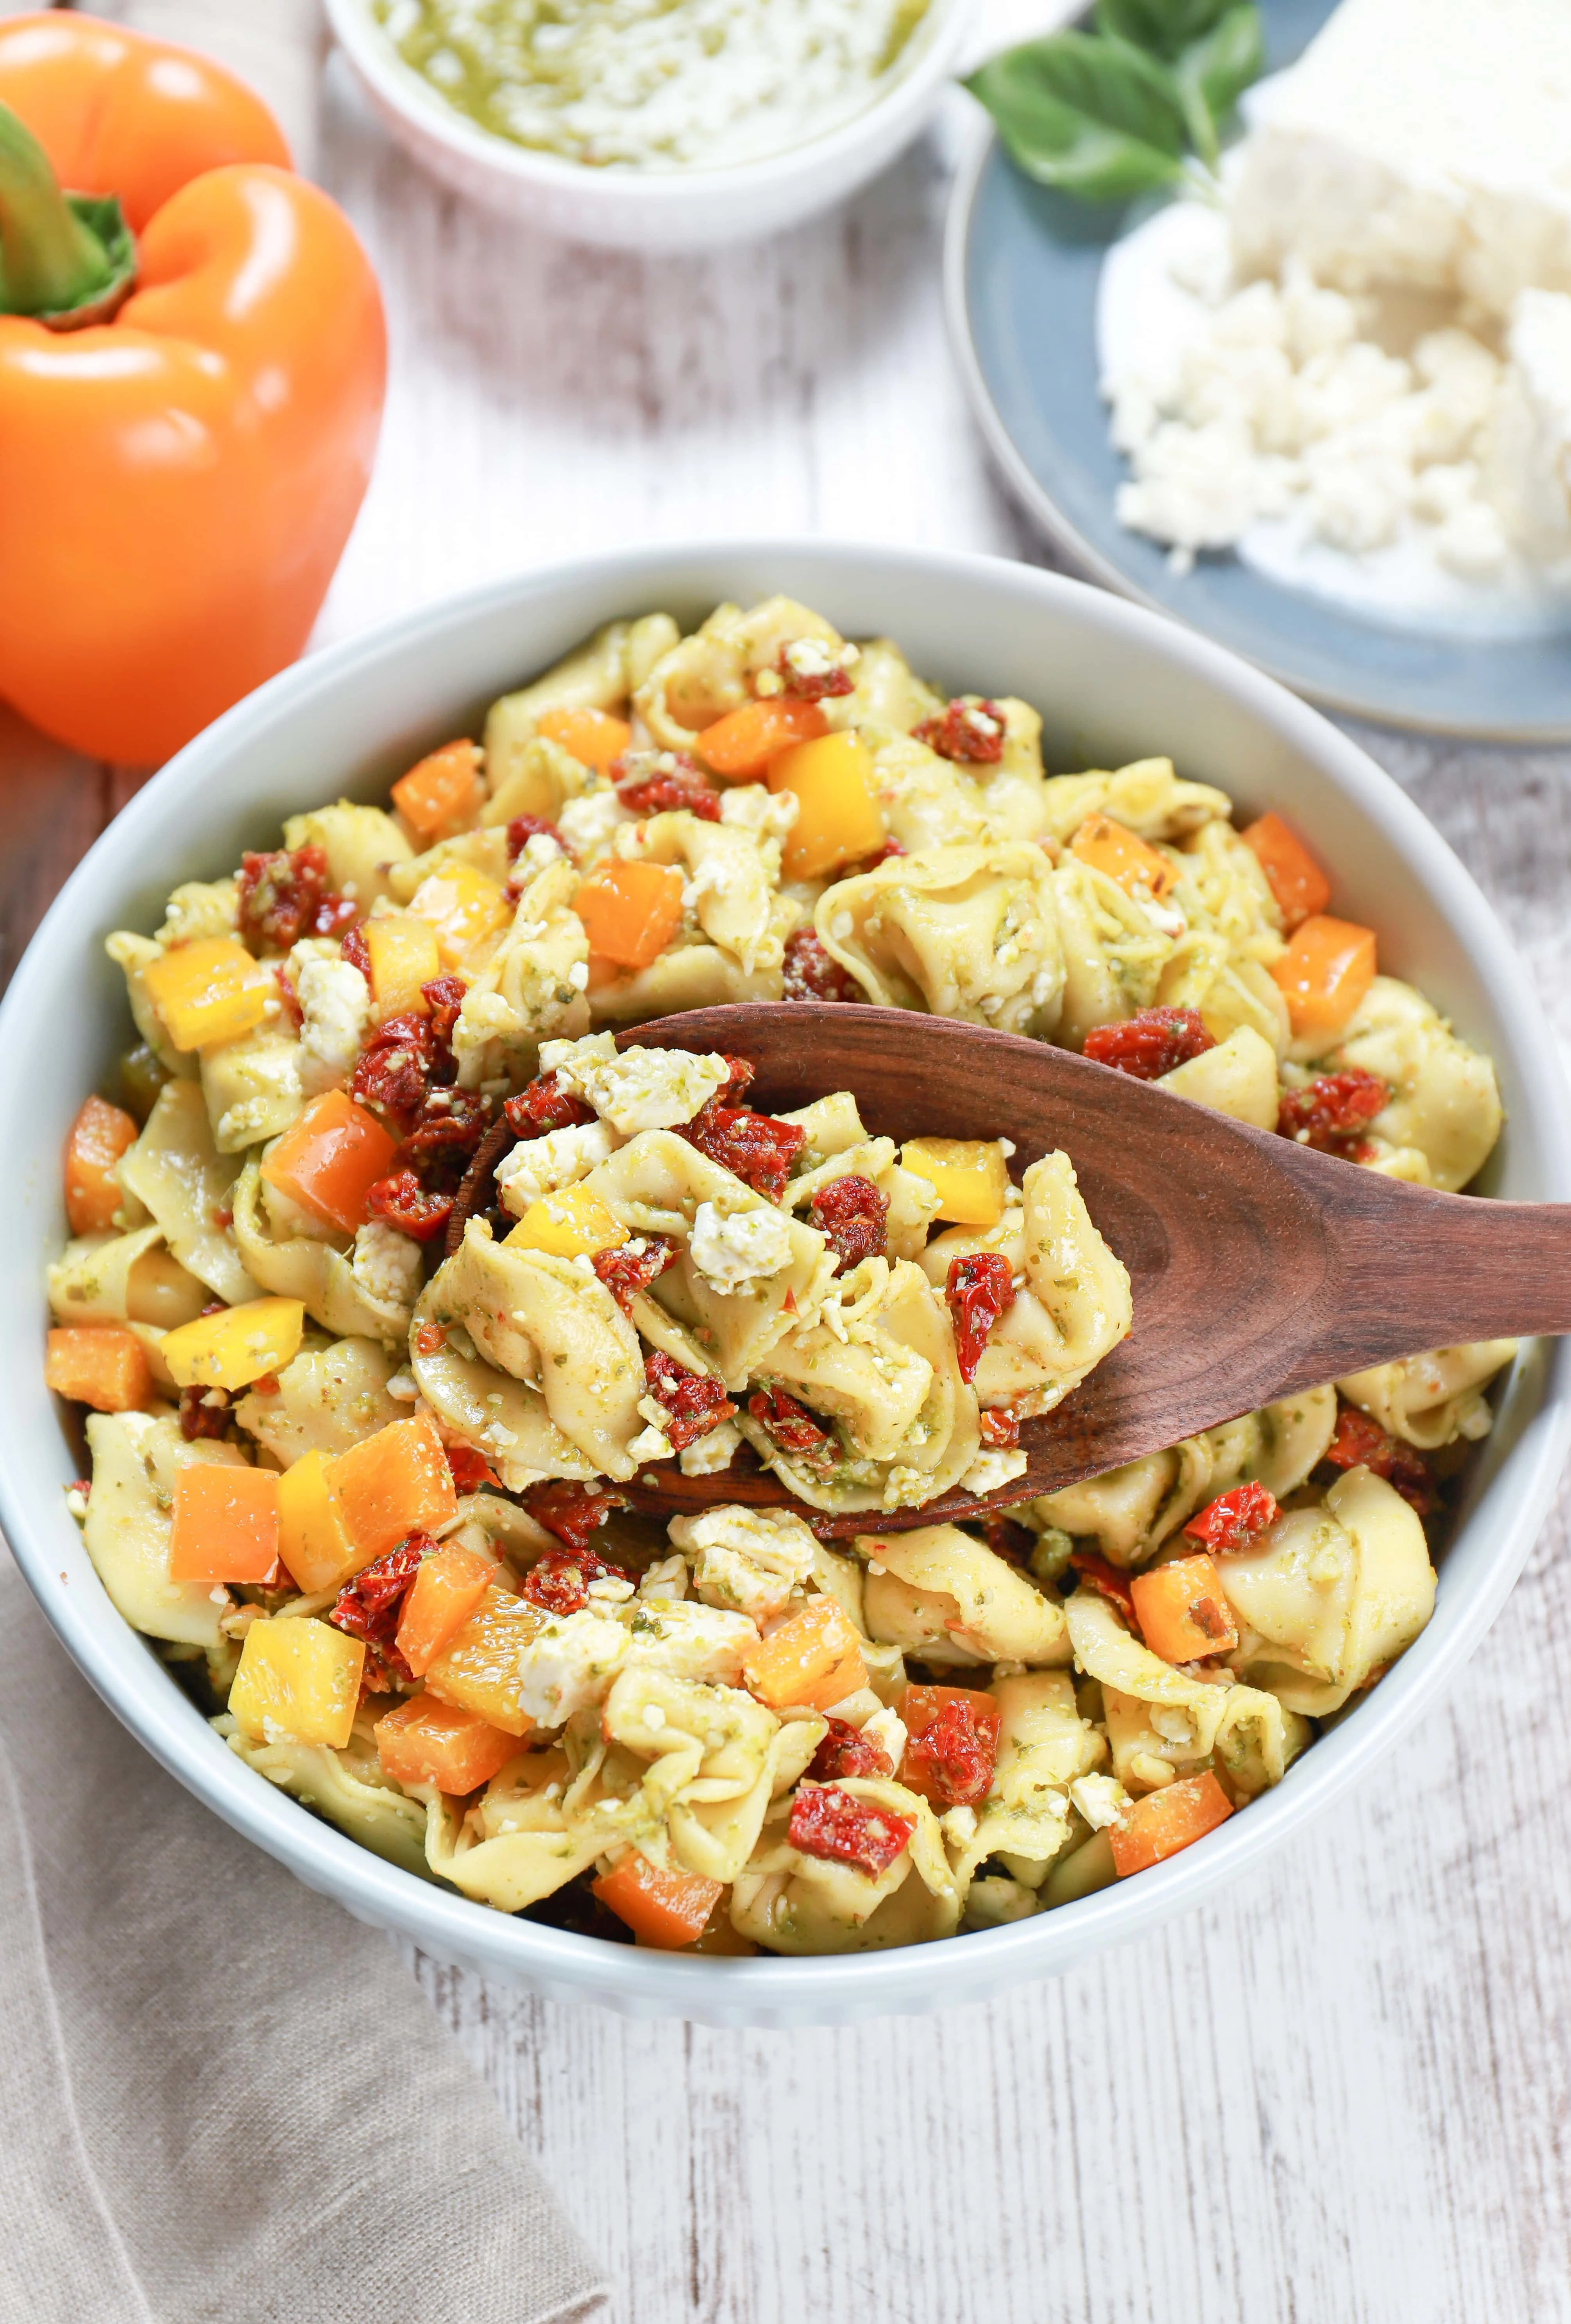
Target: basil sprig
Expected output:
[1120,110]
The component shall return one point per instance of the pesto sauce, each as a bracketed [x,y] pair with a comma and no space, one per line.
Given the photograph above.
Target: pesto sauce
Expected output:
[654,84]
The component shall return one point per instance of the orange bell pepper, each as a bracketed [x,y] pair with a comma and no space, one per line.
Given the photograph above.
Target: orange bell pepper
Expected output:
[99,1135]
[1164,1821]
[661,1905]
[226,1525]
[437,794]
[1182,1614]
[630,912]
[1297,882]
[742,744]
[394,1483]
[450,1584]
[180,471]
[812,1657]
[330,1160]
[427,1741]
[104,1366]
[593,737]
[1324,975]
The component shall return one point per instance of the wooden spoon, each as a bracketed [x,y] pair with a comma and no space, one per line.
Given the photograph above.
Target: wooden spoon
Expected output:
[1258,1267]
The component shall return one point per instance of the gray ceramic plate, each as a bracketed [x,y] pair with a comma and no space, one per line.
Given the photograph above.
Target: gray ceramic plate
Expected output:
[1022,264]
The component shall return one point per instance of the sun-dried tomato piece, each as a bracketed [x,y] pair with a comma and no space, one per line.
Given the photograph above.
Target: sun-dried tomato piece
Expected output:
[452,1123]
[204,1412]
[999,1430]
[1329,1113]
[559,1580]
[522,828]
[813,671]
[544,1105]
[394,1069]
[754,1147]
[741,1076]
[368,1607]
[429,1338]
[294,1015]
[829,1823]
[1149,1045]
[695,1401]
[444,997]
[664,782]
[887,853]
[401,1201]
[632,1267]
[285,896]
[849,1213]
[1233,1520]
[384,1670]
[570,1510]
[1109,1580]
[355,953]
[952,1746]
[1008,1537]
[812,973]
[845,1752]
[469,1468]
[1360,1442]
[790,1424]
[972,732]
[980,1288]
[265,1384]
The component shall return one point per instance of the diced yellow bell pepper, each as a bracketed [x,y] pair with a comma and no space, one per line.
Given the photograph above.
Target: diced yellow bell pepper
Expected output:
[207,991]
[572,1223]
[461,907]
[404,957]
[300,1678]
[237,1347]
[1124,857]
[968,1174]
[313,1538]
[839,820]
[478,1669]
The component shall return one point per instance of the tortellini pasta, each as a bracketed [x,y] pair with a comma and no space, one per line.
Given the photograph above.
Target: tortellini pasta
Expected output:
[388,1103]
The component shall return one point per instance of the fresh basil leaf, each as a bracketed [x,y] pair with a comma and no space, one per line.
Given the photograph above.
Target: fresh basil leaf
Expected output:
[1164,28]
[1097,117]
[1213,72]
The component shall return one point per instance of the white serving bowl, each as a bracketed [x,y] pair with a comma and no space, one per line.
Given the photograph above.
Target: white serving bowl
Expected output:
[1114,682]
[649,209]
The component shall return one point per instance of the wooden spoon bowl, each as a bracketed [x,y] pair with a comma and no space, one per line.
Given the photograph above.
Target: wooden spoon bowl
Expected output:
[1258,1267]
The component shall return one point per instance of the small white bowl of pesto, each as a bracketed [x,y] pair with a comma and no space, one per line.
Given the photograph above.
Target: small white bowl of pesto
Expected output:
[653,125]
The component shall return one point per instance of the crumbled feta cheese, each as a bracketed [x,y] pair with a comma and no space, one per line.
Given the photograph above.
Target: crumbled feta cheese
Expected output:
[959,1824]
[732,1250]
[666,1578]
[539,852]
[650,1443]
[387,1265]
[1101,1800]
[569,1665]
[635,1089]
[761,814]
[816,658]
[403,1388]
[991,1470]
[544,1166]
[751,1559]
[611,1590]
[334,1001]
[706,1455]
[689,1641]
[587,823]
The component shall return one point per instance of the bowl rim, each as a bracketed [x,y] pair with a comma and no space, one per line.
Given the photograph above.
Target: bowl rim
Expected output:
[918,72]
[777,1989]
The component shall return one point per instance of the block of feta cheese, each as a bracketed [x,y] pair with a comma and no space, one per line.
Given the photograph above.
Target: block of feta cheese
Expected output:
[1417,141]
[1527,466]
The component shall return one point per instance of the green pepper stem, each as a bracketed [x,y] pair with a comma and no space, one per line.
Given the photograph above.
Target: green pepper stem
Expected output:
[50,260]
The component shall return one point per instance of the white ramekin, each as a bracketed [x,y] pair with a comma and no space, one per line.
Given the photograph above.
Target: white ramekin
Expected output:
[647,209]
[1114,682]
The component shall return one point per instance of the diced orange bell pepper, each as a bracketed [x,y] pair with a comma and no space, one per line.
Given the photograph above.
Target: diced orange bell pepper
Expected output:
[1297,882]
[839,821]
[478,1668]
[209,991]
[298,1678]
[104,1367]
[463,907]
[1324,975]
[1182,1613]
[404,959]
[226,1524]
[1122,856]
[661,1905]
[630,912]
[427,1741]
[1165,1821]
[99,1135]
[450,1584]
[742,744]
[330,1160]
[593,737]
[313,1538]
[812,1657]
[440,791]
[178,480]
[393,1483]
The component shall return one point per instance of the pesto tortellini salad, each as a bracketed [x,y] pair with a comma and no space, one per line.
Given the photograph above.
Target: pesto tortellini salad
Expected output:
[391,1279]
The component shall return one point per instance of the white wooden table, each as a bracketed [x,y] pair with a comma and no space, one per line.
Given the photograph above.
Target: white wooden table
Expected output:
[1342,2092]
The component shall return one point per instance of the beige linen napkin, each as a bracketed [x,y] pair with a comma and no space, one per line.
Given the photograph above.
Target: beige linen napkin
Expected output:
[223,2099]
[276,46]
